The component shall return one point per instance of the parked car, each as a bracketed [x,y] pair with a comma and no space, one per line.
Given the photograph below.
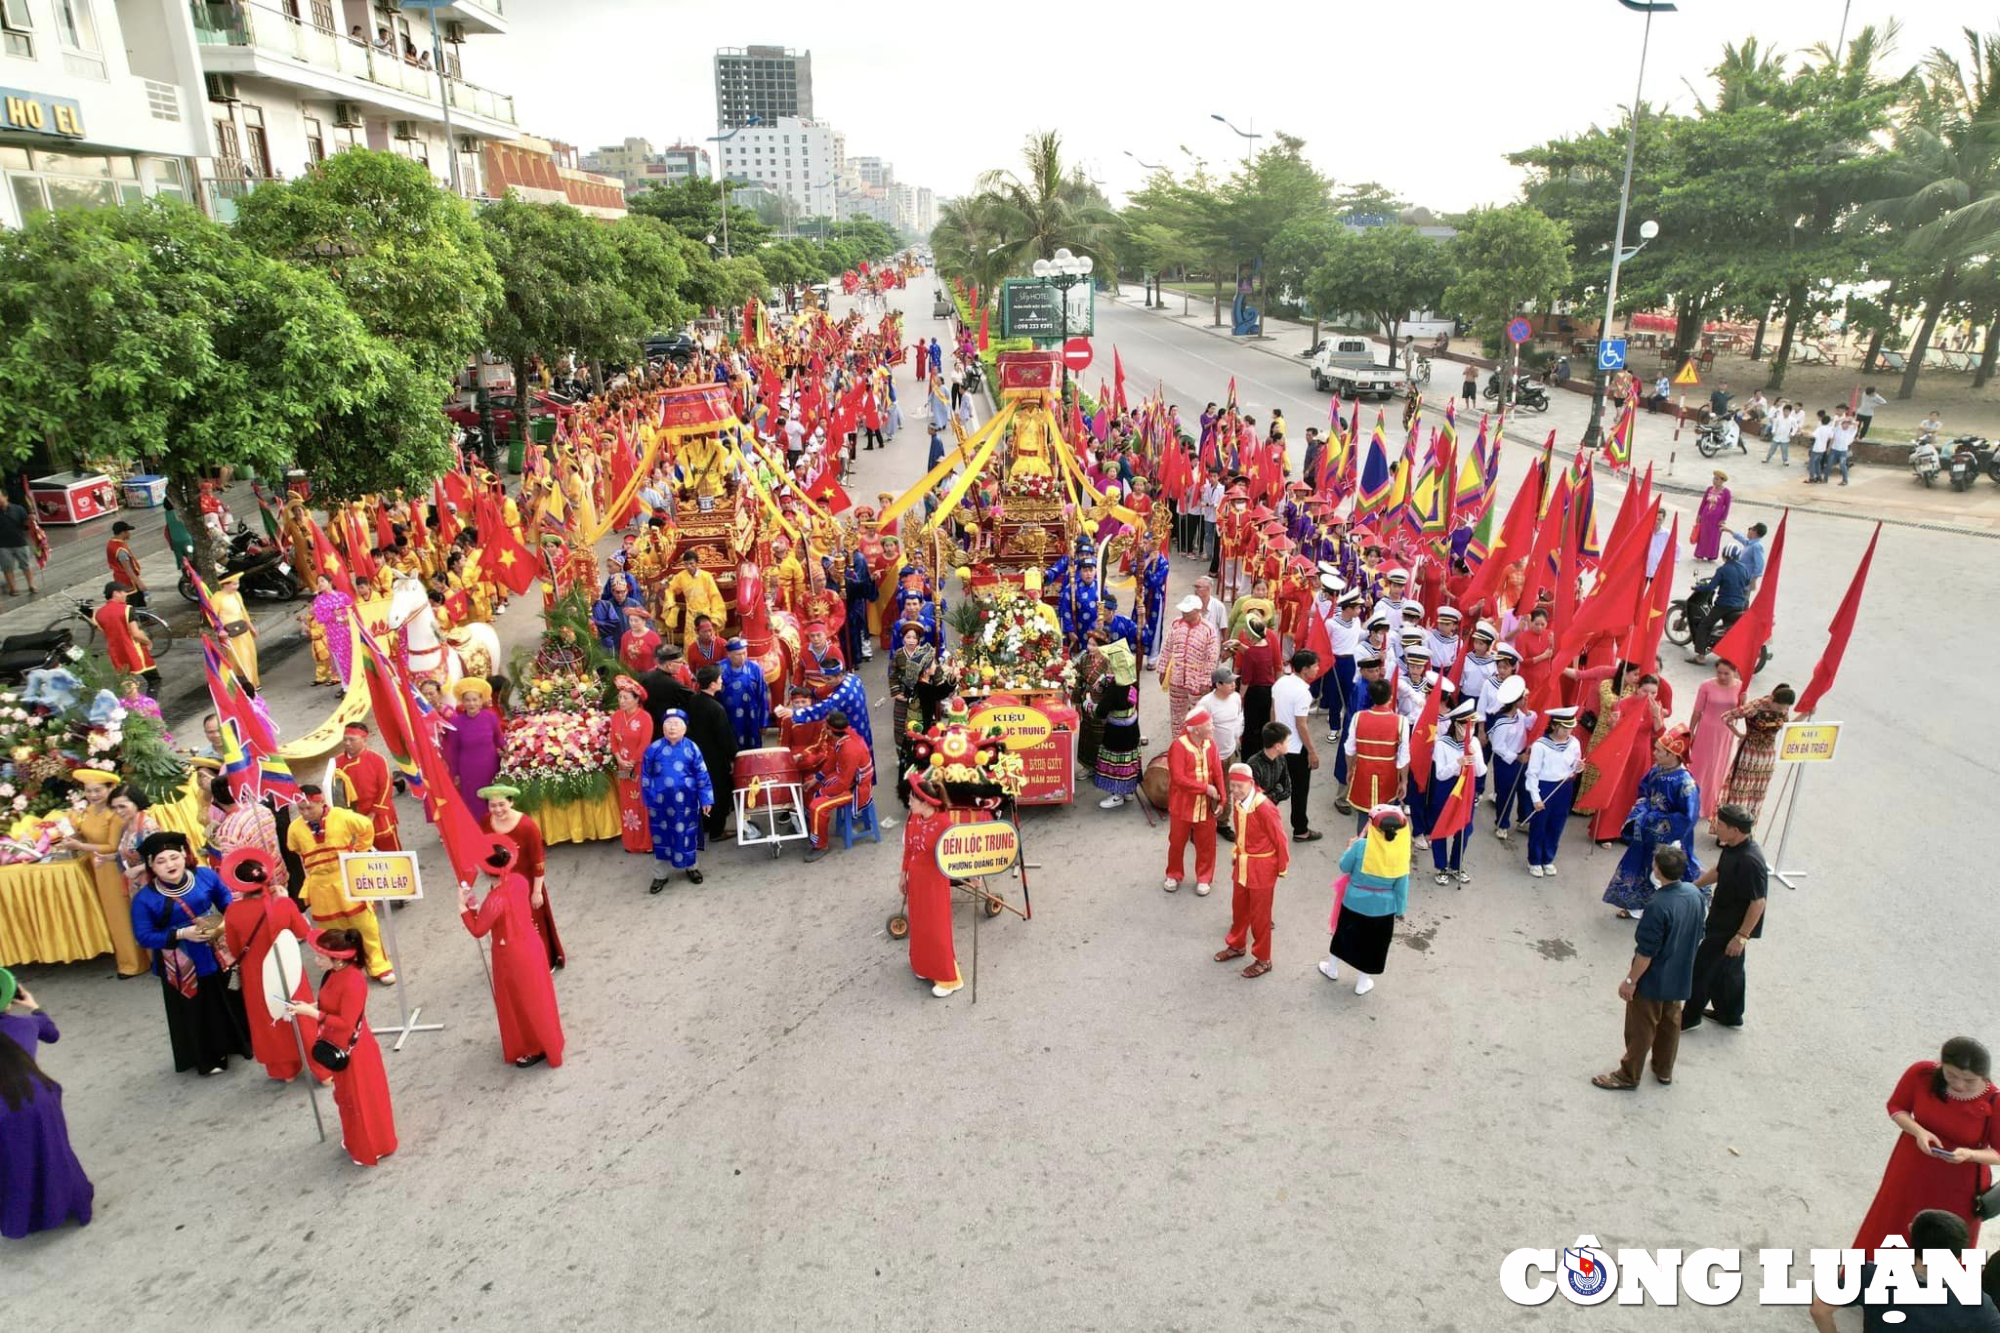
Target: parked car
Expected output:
[1347,366]
[679,348]
[505,407]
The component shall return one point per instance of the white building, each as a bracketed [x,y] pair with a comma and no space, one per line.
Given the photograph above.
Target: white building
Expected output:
[791,157]
[874,171]
[866,201]
[289,82]
[764,82]
[95,108]
[926,210]
[904,199]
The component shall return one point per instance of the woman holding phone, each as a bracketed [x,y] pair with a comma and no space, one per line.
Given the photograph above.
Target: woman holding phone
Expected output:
[361,1089]
[1949,1113]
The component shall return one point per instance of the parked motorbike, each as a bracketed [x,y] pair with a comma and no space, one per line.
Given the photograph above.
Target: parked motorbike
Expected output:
[267,574]
[975,376]
[1985,455]
[22,653]
[1693,610]
[1964,466]
[1527,394]
[1924,461]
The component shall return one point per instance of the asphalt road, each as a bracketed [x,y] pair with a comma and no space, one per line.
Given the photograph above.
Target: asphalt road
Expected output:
[765,1121]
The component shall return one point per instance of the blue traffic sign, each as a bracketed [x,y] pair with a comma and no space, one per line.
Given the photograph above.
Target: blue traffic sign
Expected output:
[1611,354]
[1519,331]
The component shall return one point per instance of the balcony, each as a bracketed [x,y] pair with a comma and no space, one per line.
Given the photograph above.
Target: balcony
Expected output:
[264,32]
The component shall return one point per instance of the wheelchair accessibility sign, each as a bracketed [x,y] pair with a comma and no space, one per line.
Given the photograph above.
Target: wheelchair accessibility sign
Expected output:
[1611,354]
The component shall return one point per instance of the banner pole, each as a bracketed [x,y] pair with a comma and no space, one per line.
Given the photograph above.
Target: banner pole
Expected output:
[1778,871]
[407,1016]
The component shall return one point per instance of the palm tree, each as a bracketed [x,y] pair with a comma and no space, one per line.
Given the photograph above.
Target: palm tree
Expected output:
[1944,191]
[1047,207]
[967,240]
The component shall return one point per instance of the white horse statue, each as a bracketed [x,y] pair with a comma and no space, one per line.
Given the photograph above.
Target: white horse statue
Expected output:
[473,649]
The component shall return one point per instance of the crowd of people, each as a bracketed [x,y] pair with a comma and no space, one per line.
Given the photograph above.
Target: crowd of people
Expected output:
[1333,661]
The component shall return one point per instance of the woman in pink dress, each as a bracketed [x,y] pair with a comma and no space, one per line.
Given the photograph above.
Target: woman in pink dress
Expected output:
[1709,518]
[1714,735]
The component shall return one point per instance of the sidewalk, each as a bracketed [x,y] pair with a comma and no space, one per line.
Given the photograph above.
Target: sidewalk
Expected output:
[1889,494]
[77,569]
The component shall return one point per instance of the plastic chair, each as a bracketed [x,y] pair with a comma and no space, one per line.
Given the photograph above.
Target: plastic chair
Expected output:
[851,822]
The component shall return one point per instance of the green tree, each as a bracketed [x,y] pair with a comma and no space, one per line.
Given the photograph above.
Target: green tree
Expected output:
[653,271]
[1278,189]
[411,263]
[1502,259]
[149,333]
[1301,247]
[1384,273]
[694,209]
[1047,207]
[1943,182]
[561,290]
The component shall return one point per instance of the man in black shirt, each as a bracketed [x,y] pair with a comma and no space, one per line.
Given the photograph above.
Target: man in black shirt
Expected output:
[15,552]
[1735,917]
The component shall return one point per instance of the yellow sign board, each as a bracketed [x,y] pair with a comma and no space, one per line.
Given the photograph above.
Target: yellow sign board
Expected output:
[381,876]
[1808,742]
[1687,375]
[968,851]
[1020,727]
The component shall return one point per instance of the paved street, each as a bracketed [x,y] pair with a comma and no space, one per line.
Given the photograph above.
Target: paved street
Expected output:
[765,1121]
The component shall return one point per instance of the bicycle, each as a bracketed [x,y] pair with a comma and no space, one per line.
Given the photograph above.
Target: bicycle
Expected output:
[145,621]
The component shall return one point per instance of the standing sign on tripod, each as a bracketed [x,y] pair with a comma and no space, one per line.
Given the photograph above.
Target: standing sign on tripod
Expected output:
[1800,743]
[389,878]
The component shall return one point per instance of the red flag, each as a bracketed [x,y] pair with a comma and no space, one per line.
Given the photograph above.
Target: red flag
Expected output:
[1647,639]
[1117,379]
[1612,607]
[1553,526]
[328,559]
[1457,811]
[385,531]
[1611,755]
[356,542]
[1838,633]
[386,696]
[501,553]
[982,331]
[1515,532]
[1423,740]
[448,526]
[1752,629]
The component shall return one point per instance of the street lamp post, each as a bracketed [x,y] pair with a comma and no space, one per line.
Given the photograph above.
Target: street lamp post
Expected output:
[1151,279]
[722,176]
[1594,430]
[1249,140]
[1063,272]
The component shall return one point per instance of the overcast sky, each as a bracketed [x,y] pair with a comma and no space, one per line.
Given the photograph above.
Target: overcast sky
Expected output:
[1426,98]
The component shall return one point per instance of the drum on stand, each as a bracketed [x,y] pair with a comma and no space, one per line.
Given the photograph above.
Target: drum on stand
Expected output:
[763,774]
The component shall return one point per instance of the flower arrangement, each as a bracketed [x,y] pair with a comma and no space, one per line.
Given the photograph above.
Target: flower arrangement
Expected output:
[558,694]
[558,757]
[1010,641]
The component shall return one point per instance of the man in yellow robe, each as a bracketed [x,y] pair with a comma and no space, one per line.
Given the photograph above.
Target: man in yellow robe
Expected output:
[690,593]
[318,836]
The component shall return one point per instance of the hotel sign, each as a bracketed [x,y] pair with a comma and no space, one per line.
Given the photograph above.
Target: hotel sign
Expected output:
[32,113]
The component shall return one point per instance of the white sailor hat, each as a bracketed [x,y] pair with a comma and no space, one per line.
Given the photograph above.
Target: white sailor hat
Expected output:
[1416,649]
[1485,630]
[1369,659]
[1352,597]
[1512,690]
[1331,582]
[1380,620]
[1509,651]
[1462,711]
[1562,717]
[1448,613]
[1433,679]
[1413,608]
[1397,575]
[1328,567]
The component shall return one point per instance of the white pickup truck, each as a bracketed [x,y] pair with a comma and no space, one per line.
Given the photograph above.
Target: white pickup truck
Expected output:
[1347,366]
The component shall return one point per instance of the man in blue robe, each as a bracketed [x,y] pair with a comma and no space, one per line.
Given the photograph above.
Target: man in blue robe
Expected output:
[848,696]
[1121,626]
[678,792]
[746,695]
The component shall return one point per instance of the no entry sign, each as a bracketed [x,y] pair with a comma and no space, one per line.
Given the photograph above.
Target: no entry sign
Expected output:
[1076,353]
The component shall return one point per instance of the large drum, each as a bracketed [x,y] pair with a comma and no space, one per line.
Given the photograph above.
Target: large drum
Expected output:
[1156,783]
[763,774]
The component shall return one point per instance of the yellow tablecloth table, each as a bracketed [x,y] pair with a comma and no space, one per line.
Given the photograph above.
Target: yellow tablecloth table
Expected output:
[579,821]
[49,912]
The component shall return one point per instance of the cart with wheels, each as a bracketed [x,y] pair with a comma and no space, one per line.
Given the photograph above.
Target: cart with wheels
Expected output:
[767,784]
